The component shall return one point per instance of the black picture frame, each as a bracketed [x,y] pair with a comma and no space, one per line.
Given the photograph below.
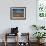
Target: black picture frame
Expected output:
[18,13]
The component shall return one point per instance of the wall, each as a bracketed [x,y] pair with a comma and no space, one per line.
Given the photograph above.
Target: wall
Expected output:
[24,25]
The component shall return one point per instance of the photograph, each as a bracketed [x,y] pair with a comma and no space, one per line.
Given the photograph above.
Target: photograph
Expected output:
[18,13]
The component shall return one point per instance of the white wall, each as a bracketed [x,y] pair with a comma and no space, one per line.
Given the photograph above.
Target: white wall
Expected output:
[24,25]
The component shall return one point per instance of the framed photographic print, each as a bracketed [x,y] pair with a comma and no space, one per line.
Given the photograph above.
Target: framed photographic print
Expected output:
[18,13]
